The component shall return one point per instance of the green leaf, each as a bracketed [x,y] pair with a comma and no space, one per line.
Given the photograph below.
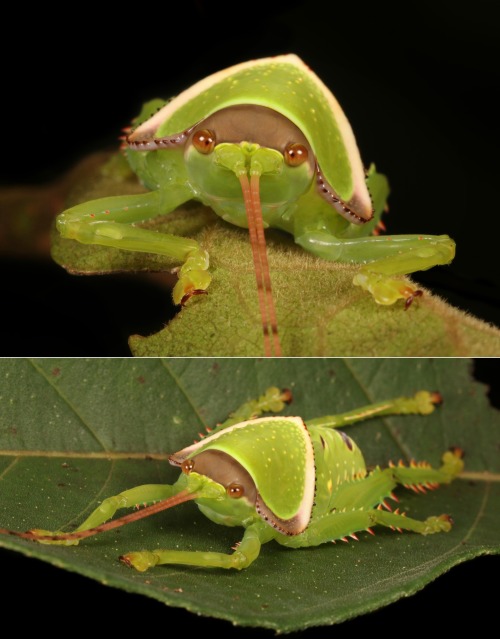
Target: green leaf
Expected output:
[320,312]
[76,431]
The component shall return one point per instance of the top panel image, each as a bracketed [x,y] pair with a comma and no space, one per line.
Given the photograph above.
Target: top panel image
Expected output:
[290,200]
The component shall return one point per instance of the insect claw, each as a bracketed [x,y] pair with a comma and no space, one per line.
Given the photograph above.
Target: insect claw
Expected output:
[379,507]
[409,300]
[421,489]
[392,464]
[369,530]
[400,530]
[386,506]
[187,296]
[379,228]
[396,512]
[394,497]
[401,463]
[208,429]
[413,464]
[436,398]
[286,396]
[344,539]
[353,536]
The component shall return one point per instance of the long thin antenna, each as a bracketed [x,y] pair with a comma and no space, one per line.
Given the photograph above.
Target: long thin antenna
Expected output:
[115,523]
[251,196]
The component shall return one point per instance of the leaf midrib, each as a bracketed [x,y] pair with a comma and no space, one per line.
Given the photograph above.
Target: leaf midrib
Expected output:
[479,475]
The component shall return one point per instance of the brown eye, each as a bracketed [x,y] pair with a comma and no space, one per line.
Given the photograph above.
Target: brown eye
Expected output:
[235,491]
[295,154]
[187,466]
[204,141]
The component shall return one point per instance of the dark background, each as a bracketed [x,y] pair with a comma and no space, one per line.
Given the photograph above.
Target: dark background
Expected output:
[418,86]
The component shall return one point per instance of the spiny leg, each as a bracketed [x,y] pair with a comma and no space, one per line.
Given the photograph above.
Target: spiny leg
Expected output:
[244,554]
[379,484]
[110,222]
[422,403]
[420,475]
[353,506]
[340,526]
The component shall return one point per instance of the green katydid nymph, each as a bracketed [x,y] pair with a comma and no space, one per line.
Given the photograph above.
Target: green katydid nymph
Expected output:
[265,144]
[280,479]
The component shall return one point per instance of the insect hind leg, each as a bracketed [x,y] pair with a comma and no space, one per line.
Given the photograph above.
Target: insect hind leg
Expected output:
[420,476]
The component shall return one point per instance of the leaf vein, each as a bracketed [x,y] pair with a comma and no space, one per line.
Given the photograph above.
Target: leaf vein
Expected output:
[65,398]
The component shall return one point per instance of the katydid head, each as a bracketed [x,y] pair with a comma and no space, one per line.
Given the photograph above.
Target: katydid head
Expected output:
[252,163]
[247,140]
[250,460]
[250,139]
[249,162]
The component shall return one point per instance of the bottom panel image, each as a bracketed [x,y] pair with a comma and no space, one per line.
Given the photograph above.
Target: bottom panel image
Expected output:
[280,495]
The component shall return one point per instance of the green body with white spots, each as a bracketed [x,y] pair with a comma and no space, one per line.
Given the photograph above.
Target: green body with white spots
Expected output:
[269,127]
[280,480]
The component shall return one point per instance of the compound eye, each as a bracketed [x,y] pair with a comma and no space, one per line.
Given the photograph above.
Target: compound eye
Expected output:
[295,154]
[204,141]
[187,466]
[235,491]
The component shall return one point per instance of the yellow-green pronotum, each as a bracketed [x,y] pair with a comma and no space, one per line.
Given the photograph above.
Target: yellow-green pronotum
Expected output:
[278,478]
[265,144]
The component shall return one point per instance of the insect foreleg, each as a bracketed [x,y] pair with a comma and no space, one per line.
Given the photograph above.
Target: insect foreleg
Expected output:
[110,222]
[132,498]
[244,554]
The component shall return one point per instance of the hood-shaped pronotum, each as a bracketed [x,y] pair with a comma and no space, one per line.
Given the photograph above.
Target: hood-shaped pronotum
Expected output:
[277,453]
[287,85]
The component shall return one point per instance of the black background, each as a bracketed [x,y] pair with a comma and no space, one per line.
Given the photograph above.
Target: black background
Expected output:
[418,85]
